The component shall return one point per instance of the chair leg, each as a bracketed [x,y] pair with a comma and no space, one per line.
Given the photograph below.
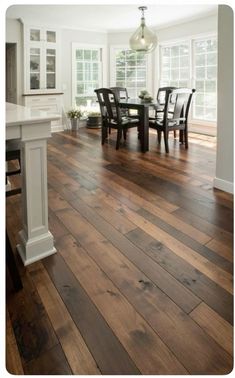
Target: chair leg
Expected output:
[109,130]
[181,138]
[159,136]
[174,134]
[186,138]
[104,134]
[166,140]
[12,266]
[124,133]
[119,136]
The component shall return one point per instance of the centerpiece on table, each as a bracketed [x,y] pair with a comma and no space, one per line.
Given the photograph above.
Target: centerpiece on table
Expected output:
[145,96]
[74,115]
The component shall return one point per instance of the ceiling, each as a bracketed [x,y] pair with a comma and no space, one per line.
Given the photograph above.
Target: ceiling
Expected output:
[108,17]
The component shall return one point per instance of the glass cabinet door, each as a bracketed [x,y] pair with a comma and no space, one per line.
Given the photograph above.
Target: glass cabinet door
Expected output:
[35,67]
[35,35]
[41,60]
[50,68]
[51,36]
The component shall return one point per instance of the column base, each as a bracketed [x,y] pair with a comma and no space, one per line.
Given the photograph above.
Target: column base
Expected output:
[36,248]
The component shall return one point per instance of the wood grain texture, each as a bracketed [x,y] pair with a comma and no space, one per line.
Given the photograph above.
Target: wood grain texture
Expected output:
[13,361]
[130,328]
[110,355]
[169,322]
[53,362]
[74,347]
[142,281]
[214,325]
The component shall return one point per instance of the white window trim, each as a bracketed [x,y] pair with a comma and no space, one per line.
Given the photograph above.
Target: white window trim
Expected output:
[113,65]
[103,48]
[189,40]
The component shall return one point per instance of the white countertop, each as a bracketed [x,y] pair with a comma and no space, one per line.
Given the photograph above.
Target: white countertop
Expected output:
[17,114]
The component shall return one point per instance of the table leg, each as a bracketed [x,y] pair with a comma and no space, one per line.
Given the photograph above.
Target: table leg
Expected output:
[144,128]
[36,241]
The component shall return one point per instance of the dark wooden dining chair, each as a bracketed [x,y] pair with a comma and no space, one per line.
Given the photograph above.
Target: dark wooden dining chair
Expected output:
[175,116]
[112,116]
[161,100]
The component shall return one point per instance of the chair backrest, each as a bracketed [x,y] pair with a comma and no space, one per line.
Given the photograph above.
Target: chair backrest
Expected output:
[162,94]
[108,102]
[180,99]
[121,93]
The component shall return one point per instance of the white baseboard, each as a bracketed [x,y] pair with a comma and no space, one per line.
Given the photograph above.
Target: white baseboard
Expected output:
[224,185]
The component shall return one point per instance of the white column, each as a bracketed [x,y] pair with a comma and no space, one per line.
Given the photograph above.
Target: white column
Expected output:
[36,241]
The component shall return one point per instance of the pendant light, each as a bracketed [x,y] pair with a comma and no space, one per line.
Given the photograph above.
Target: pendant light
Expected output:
[143,39]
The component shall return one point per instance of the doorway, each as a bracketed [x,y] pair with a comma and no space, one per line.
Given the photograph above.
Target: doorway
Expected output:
[11,73]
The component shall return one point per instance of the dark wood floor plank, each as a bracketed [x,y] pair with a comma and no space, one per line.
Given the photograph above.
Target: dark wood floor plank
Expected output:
[177,292]
[131,329]
[13,361]
[211,293]
[33,331]
[187,240]
[160,312]
[153,240]
[108,352]
[214,325]
[74,347]
[53,362]
[224,279]
[202,224]
[215,213]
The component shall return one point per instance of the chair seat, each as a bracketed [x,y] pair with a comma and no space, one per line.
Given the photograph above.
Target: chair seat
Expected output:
[170,123]
[125,121]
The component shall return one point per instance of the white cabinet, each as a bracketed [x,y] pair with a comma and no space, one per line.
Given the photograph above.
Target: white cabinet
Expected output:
[42,88]
[41,60]
[50,103]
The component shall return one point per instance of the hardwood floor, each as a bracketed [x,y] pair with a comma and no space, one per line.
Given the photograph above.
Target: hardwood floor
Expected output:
[142,281]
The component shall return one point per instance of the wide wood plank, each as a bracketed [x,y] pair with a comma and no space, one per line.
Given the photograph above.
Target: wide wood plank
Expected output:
[85,233]
[110,355]
[131,329]
[141,282]
[51,363]
[214,325]
[211,293]
[13,361]
[73,345]
[185,338]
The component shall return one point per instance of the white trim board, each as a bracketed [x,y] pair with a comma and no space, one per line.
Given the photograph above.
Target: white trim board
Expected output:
[224,185]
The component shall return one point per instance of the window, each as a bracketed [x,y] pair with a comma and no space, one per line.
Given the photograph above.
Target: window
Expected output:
[130,71]
[199,57]
[174,65]
[87,75]
[205,73]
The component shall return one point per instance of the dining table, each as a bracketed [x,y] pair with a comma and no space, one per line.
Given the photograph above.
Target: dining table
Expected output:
[31,128]
[143,113]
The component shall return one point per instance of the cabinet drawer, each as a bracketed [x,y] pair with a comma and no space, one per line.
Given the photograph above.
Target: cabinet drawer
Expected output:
[41,100]
[51,109]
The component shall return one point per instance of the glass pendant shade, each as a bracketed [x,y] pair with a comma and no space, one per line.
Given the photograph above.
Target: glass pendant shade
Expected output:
[143,38]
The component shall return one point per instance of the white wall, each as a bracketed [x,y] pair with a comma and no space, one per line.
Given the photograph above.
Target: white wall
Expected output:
[225,120]
[14,34]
